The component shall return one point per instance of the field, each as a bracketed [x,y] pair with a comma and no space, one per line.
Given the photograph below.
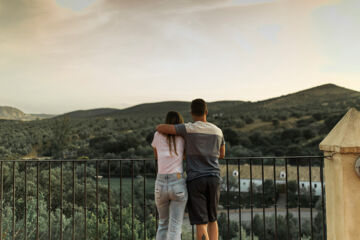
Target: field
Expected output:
[126,184]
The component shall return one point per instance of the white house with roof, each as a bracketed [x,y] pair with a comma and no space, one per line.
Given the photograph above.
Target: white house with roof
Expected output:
[280,176]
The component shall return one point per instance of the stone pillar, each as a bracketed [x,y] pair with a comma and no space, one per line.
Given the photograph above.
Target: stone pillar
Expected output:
[341,181]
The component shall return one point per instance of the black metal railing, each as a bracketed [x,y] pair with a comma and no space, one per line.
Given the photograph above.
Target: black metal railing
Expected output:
[264,197]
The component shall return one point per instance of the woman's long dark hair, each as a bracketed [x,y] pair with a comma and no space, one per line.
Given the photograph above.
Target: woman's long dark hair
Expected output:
[173,117]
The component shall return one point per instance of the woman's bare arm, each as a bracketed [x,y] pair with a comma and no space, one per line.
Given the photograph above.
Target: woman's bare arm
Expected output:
[155,153]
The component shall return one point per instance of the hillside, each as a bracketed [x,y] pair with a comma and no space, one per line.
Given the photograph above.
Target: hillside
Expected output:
[149,109]
[331,96]
[323,95]
[159,109]
[11,113]
[91,113]
[288,125]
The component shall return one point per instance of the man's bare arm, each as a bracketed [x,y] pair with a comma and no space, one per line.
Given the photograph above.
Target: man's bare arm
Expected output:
[166,129]
[222,152]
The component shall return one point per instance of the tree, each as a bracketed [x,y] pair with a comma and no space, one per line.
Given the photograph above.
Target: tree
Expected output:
[60,137]
[275,122]
[291,133]
[318,222]
[317,116]
[308,133]
[231,136]
[331,121]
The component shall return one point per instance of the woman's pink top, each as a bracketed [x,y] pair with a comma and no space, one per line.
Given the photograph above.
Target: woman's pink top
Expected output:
[169,162]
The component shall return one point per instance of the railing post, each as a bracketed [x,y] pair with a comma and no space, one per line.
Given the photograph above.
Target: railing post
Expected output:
[342,148]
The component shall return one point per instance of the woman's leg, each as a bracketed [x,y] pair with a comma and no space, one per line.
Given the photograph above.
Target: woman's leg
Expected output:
[162,204]
[177,209]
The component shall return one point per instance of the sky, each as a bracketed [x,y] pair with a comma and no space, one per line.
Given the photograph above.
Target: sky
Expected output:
[58,56]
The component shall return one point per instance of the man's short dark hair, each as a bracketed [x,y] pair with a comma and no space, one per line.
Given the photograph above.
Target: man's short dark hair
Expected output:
[198,107]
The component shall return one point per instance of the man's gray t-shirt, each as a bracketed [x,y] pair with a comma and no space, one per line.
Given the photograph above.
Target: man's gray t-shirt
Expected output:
[203,141]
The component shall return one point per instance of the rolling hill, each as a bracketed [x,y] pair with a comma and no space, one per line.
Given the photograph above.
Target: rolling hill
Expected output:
[291,125]
[328,98]
[11,113]
[91,113]
[322,95]
[331,96]
[148,109]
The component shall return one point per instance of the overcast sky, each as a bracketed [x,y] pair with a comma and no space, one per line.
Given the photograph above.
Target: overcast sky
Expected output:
[63,55]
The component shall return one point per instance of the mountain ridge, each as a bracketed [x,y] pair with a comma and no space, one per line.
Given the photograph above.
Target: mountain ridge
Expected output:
[312,97]
[12,113]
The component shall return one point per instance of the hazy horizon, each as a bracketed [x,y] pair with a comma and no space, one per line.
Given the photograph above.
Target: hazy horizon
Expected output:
[59,56]
[124,106]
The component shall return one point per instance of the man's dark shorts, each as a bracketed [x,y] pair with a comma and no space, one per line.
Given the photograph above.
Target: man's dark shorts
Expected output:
[204,194]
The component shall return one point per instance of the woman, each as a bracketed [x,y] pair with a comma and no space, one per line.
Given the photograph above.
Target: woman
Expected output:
[170,186]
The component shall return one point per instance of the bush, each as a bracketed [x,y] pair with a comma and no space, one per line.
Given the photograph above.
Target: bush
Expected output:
[275,122]
[234,231]
[266,118]
[318,116]
[269,227]
[304,122]
[291,134]
[231,136]
[248,120]
[283,117]
[331,121]
[258,139]
[308,133]
[239,123]
[239,151]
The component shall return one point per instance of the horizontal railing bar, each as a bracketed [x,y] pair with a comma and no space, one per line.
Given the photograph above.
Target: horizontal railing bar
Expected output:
[152,159]
[270,157]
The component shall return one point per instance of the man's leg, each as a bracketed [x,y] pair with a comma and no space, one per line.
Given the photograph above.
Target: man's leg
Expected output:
[202,232]
[214,192]
[197,206]
[213,231]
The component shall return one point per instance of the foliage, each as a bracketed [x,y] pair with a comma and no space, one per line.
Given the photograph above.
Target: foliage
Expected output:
[287,228]
[67,217]
[234,232]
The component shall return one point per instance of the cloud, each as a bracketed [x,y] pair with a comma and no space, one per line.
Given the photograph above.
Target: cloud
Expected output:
[204,6]
[67,56]
[337,31]
[76,5]
[270,32]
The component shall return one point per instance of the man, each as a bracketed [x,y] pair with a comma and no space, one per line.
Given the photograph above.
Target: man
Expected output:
[204,144]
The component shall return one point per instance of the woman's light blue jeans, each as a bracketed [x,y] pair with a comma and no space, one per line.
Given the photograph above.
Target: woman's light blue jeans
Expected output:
[170,198]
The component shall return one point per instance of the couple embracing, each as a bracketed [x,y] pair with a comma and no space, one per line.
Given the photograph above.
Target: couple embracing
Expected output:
[202,144]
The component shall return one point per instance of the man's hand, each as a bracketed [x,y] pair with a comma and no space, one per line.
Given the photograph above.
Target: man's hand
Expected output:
[166,129]
[222,152]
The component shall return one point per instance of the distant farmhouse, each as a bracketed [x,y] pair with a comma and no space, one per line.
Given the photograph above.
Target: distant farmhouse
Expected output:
[280,175]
